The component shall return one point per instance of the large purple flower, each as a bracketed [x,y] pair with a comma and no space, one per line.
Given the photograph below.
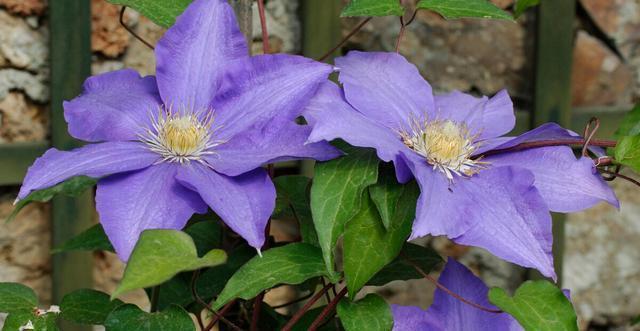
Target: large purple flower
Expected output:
[194,136]
[500,203]
[449,313]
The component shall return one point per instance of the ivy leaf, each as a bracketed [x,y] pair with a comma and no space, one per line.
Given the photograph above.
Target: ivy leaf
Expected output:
[336,194]
[92,239]
[627,152]
[212,281]
[630,124]
[161,12]
[130,317]
[88,306]
[206,235]
[537,305]
[293,201]
[401,269]
[522,5]
[161,254]
[44,322]
[372,8]
[385,195]
[368,247]
[16,297]
[73,187]
[290,264]
[371,313]
[452,9]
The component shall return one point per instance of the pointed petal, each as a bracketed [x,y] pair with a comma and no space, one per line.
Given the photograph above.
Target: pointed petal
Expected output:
[498,209]
[276,141]
[193,54]
[113,106]
[244,203]
[332,117]
[567,184]
[543,132]
[457,315]
[488,118]
[262,87]
[95,160]
[132,202]
[385,87]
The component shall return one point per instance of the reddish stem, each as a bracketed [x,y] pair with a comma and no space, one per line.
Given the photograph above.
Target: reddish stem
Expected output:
[266,49]
[327,310]
[550,142]
[298,315]
[220,315]
[400,34]
[616,174]
[126,27]
[345,39]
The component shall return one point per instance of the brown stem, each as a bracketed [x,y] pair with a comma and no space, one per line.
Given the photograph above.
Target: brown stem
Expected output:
[345,39]
[616,174]
[298,315]
[327,310]
[300,299]
[266,49]
[219,315]
[257,308]
[126,27]
[448,291]
[550,142]
[400,34]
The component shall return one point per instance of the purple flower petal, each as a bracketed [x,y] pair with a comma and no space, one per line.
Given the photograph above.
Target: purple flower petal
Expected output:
[332,117]
[449,313]
[567,184]
[259,88]
[132,202]
[488,118]
[497,209]
[385,87]
[193,54]
[113,106]
[277,141]
[546,131]
[95,160]
[244,203]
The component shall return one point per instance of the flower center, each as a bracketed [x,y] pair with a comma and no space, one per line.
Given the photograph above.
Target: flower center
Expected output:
[446,145]
[180,137]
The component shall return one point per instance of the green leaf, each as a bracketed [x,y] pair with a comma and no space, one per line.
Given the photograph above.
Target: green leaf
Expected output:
[371,313]
[161,12]
[368,247]
[16,297]
[630,125]
[87,306]
[212,281]
[635,320]
[522,5]
[537,305]
[206,235]
[452,9]
[92,239]
[307,319]
[372,8]
[627,152]
[176,291]
[290,264]
[72,187]
[336,195]
[130,317]
[385,195]
[44,322]
[161,254]
[400,269]
[293,201]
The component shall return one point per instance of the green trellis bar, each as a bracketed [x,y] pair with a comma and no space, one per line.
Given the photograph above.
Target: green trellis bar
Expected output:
[70,49]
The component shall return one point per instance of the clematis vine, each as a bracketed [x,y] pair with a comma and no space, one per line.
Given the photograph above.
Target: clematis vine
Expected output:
[449,313]
[193,137]
[500,202]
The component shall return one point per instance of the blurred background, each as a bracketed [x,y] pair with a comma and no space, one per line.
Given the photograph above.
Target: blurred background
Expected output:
[565,61]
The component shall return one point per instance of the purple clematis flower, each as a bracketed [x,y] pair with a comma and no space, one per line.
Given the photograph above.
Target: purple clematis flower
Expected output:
[448,313]
[499,202]
[192,137]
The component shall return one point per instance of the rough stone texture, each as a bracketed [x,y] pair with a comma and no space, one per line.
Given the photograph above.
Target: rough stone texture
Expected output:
[21,46]
[601,259]
[21,120]
[24,246]
[599,77]
[481,55]
[24,7]
[108,36]
[139,56]
[33,85]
